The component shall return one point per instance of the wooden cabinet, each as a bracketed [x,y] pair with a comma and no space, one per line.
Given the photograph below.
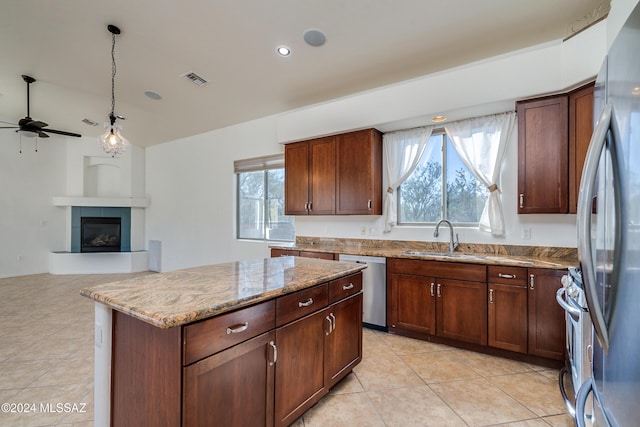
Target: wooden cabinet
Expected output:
[580,131]
[310,177]
[359,173]
[317,349]
[507,308]
[546,318]
[553,136]
[305,254]
[339,174]
[232,388]
[438,298]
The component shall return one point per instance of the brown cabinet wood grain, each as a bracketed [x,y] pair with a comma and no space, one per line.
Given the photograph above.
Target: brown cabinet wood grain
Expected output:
[343,349]
[462,310]
[310,177]
[507,317]
[546,318]
[359,173]
[580,131]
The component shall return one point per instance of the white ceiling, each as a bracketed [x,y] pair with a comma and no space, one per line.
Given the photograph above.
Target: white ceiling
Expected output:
[65,45]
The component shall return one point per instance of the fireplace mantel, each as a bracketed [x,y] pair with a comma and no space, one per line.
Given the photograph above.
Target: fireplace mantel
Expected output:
[115,202]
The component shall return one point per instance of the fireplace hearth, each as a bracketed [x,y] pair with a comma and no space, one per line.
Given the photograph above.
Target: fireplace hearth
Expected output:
[100,234]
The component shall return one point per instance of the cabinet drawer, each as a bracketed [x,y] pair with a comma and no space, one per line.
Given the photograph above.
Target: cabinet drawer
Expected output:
[210,336]
[505,275]
[319,255]
[301,303]
[344,287]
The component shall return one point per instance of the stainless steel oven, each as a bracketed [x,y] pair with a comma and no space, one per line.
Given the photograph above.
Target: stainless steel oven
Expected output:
[577,368]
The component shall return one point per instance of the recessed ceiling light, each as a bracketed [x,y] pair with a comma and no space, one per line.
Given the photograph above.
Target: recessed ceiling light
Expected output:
[153,95]
[284,51]
[635,90]
[314,37]
[438,119]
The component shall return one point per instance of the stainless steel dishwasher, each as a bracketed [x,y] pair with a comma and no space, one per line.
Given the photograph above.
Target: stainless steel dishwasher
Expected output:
[374,290]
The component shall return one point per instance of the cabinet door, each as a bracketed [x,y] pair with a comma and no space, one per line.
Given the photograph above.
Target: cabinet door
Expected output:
[508,317]
[413,303]
[231,388]
[300,366]
[322,178]
[319,255]
[359,174]
[462,310]
[296,178]
[543,153]
[580,130]
[344,341]
[546,317]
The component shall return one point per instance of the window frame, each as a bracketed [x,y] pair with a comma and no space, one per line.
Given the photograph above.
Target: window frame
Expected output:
[440,132]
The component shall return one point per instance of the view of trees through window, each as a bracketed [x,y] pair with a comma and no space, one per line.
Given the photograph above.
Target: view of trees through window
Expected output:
[261,213]
[423,198]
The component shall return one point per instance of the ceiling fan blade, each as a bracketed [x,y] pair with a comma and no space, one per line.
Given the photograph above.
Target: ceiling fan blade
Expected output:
[42,134]
[8,127]
[8,123]
[37,124]
[61,132]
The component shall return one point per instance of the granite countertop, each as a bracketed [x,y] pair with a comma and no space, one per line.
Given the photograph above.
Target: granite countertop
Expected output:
[180,297]
[558,258]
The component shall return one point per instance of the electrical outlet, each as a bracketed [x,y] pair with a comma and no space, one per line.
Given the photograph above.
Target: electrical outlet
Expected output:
[526,233]
[98,335]
[363,230]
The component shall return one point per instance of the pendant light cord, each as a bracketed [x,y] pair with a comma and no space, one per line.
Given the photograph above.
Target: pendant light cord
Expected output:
[113,77]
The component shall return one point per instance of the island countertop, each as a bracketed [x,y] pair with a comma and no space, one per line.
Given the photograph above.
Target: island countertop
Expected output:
[180,297]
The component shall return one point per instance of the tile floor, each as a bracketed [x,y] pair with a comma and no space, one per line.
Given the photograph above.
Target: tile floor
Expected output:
[46,359]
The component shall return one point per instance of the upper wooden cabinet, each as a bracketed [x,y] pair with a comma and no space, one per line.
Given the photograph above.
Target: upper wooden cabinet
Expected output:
[359,178]
[310,177]
[553,136]
[339,174]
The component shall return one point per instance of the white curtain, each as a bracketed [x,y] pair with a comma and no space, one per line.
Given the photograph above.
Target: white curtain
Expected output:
[480,143]
[403,150]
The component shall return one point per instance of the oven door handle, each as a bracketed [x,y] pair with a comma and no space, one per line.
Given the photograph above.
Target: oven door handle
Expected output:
[571,306]
[581,401]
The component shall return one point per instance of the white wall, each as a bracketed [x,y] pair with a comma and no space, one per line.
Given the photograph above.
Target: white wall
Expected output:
[191,181]
[29,223]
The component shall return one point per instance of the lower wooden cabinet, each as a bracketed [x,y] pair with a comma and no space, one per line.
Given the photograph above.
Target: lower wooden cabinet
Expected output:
[232,388]
[547,327]
[305,254]
[508,317]
[462,310]
[343,348]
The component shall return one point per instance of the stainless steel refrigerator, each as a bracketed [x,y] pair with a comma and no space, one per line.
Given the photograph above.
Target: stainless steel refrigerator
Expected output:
[609,237]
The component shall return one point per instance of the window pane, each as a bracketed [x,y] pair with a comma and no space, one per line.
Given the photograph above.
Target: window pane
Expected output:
[279,225]
[251,205]
[421,193]
[465,195]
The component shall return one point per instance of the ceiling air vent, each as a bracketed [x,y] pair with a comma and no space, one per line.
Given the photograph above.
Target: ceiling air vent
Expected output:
[89,122]
[196,79]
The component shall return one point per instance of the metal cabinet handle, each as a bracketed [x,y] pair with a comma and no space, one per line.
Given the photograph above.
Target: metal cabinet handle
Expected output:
[521,200]
[369,205]
[432,285]
[507,276]
[274,353]
[532,281]
[327,329]
[347,287]
[438,290]
[491,296]
[307,303]
[310,203]
[333,322]
[236,329]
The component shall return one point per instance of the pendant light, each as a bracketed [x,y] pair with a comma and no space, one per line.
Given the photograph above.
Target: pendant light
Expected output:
[112,141]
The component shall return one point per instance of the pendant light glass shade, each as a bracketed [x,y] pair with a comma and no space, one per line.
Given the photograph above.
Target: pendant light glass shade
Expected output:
[112,141]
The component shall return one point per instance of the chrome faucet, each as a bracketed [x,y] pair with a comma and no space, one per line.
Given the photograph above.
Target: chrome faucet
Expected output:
[452,245]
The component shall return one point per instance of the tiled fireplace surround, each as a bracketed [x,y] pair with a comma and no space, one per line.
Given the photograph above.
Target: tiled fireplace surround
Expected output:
[78,212]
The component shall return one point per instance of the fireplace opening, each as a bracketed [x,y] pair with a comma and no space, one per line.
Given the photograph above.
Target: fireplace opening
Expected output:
[100,234]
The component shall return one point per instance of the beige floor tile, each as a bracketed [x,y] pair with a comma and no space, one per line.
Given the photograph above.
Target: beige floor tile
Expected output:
[68,371]
[348,384]
[20,374]
[345,410]
[440,366]
[536,422]
[404,345]
[534,390]
[564,420]
[479,403]
[385,371]
[488,366]
[414,406]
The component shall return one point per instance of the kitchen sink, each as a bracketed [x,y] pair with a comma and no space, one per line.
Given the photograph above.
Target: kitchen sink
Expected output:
[441,254]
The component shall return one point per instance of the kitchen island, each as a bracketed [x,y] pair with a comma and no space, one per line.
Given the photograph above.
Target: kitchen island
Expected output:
[225,344]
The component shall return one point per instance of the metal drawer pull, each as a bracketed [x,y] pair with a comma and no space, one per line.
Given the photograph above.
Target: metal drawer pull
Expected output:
[532,281]
[236,329]
[347,287]
[507,276]
[307,303]
[274,357]
[491,296]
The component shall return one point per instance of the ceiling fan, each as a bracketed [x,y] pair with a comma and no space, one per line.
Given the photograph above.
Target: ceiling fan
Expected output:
[31,128]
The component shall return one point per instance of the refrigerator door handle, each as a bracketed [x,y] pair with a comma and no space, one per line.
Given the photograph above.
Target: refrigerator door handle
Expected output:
[581,401]
[587,183]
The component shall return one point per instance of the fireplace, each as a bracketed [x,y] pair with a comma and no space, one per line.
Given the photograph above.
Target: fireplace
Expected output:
[100,234]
